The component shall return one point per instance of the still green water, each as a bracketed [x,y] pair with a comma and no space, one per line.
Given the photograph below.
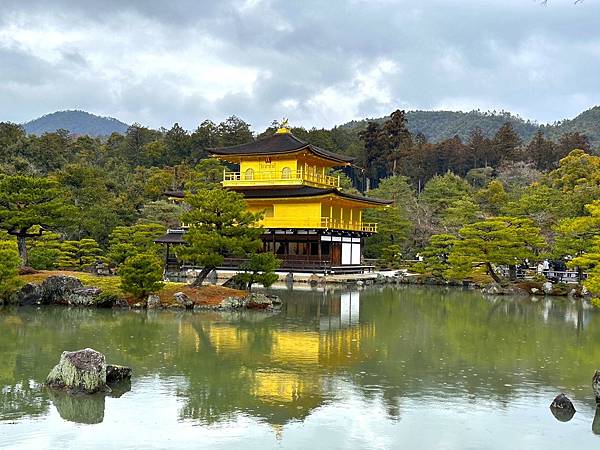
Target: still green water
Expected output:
[409,367]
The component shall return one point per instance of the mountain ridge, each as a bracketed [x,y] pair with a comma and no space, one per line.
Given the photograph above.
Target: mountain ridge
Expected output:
[435,125]
[76,122]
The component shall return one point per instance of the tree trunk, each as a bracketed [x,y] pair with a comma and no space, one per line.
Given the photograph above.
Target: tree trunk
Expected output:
[512,272]
[21,244]
[491,273]
[202,276]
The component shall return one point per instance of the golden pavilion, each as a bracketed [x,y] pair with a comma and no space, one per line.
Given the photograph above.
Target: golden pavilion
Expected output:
[309,222]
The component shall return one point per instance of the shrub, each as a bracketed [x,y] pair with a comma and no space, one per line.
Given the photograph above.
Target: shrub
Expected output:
[9,265]
[141,274]
[259,268]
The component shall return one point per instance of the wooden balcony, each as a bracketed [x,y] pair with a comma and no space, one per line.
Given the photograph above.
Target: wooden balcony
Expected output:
[279,178]
[323,223]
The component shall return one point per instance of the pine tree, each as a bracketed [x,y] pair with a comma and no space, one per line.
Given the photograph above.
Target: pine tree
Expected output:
[542,152]
[125,242]
[29,206]
[141,274]
[219,226]
[494,241]
[435,254]
[80,254]
[9,265]
[504,145]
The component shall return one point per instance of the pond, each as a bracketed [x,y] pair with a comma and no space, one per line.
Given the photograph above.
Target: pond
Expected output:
[406,367]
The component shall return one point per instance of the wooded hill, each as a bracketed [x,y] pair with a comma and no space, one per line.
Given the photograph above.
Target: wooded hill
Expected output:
[436,126]
[76,122]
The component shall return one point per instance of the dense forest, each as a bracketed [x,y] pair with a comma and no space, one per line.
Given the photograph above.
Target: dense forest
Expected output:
[451,197]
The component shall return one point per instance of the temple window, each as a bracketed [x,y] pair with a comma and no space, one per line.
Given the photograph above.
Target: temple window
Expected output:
[249,174]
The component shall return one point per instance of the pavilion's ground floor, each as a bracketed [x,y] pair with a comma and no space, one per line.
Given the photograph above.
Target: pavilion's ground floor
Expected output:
[300,250]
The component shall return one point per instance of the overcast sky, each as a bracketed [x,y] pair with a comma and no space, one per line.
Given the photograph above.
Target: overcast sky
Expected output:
[319,63]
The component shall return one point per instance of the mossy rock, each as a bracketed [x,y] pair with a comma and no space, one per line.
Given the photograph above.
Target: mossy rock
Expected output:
[81,371]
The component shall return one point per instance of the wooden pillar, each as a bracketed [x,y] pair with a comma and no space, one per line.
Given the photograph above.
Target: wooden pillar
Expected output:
[351,224]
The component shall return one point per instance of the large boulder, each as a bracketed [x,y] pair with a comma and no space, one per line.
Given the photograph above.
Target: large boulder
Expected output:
[498,289]
[83,296]
[262,301]
[57,288]
[183,300]
[30,294]
[562,408]
[153,301]
[81,371]
[547,287]
[86,372]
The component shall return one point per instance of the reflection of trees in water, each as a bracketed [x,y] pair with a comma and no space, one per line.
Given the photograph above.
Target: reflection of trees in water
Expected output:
[407,342]
[22,399]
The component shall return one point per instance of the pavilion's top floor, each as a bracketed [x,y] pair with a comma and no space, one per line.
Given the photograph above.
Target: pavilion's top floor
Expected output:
[280,160]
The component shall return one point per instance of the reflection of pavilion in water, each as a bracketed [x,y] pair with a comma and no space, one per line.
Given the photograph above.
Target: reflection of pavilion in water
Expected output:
[289,370]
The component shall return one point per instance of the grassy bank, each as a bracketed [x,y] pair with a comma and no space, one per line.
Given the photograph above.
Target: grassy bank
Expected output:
[111,285]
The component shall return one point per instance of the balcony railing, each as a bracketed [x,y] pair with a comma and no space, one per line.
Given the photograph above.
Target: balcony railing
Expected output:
[279,177]
[325,222]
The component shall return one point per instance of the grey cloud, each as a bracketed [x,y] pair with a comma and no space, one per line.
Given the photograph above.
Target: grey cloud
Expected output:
[512,54]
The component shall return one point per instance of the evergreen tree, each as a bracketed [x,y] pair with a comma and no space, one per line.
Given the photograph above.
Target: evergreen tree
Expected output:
[141,274]
[494,241]
[128,241]
[79,255]
[259,268]
[29,206]
[9,265]
[504,145]
[542,153]
[373,157]
[493,198]
[219,226]
[442,190]
[204,137]
[234,131]
[435,254]
[178,145]
[396,139]
[45,251]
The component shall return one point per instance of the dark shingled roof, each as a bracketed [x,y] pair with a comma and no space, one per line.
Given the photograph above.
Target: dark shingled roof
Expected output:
[171,238]
[278,143]
[295,192]
[305,191]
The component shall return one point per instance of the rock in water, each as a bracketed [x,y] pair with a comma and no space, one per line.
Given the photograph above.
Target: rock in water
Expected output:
[596,386]
[562,408]
[116,374]
[183,300]
[153,301]
[81,371]
[548,287]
